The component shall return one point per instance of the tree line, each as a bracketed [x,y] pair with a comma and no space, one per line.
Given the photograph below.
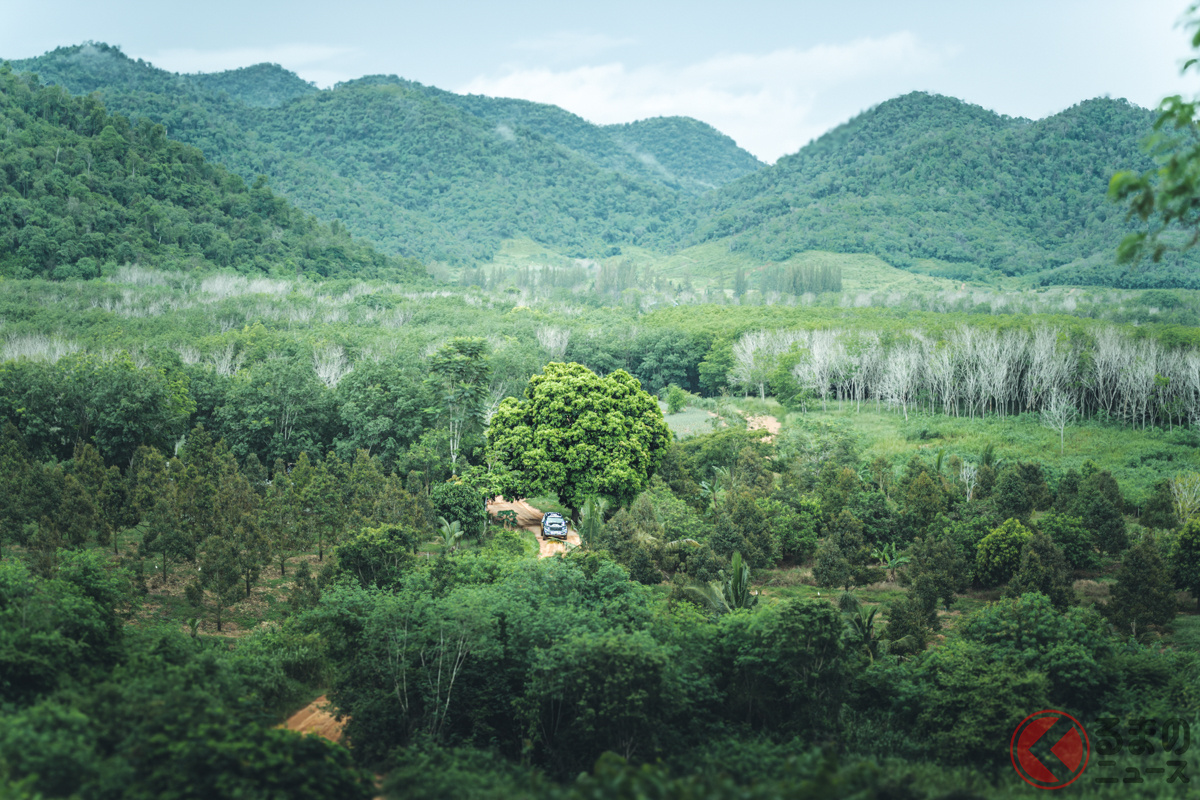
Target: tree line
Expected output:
[970,372]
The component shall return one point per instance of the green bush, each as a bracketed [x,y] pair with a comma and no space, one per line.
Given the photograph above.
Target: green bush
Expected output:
[677,399]
[1075,540]
[459,502]
[999,554]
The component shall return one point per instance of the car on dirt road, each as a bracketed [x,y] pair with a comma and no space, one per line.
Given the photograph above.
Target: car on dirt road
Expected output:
[554,526]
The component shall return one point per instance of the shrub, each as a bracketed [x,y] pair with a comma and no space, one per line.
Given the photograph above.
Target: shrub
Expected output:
[999,554]
[1075,540]
[677,399]
[461,503]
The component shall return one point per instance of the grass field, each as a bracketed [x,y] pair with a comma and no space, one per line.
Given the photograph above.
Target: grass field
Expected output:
[1136,458]
[689,422]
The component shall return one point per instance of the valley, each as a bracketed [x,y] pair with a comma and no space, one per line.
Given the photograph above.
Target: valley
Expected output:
[869,453]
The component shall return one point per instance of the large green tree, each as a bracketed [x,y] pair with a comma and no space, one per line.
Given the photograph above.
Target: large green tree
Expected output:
[579,435]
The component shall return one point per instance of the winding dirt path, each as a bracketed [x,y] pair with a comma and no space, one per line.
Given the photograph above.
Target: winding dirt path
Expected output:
[530,519]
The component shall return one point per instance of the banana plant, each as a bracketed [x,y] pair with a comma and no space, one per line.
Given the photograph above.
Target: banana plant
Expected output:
[730,593]
[450,535]
[863,633]
[890,559]
[711,493]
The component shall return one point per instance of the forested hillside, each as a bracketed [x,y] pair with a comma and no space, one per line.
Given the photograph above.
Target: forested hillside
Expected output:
[680,152]
[930,177]
[417,171]
[924,182]
[261,86]
[688,149]
[81,189]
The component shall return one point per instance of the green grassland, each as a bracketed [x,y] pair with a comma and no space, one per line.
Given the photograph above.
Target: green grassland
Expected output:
[1137,458]
[689,422]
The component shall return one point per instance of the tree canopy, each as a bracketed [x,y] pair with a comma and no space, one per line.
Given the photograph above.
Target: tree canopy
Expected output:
[579,435]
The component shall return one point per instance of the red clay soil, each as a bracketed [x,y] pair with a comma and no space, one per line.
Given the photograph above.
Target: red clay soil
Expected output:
[530,519]
[316,717]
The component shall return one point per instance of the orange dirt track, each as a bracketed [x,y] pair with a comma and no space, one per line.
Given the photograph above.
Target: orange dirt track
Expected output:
[530,519]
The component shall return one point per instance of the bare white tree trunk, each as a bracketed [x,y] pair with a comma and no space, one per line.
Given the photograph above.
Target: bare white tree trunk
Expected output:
[331,364]
[554,341]
[227,362]
[1059,412]
[969,474]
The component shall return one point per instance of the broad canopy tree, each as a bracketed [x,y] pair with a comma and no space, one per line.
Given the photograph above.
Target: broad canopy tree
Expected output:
[579,435]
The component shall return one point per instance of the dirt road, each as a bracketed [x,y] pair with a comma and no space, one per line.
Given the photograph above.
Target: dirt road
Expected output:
[316,717]
[530,519]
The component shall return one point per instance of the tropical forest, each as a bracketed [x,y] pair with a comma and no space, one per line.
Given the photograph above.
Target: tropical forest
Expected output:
[868,456]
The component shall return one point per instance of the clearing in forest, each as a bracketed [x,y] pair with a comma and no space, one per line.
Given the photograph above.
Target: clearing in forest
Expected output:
[530,519]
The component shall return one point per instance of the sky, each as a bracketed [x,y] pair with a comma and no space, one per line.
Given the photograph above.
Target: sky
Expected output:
[771,74]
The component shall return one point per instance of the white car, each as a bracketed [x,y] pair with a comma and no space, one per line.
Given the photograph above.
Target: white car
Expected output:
[554,526]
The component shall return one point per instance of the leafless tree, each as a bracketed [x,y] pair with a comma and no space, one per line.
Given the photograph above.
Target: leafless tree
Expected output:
[554,341]
[1185,495]
[228,361]
[1059,412]
[1109,358]
[188,354]
[497,391]
[753,360]
[1050,367]
[969,474]
[942,374]
[901,376]
[331,364]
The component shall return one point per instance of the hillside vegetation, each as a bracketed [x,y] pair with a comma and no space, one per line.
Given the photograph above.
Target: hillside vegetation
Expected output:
[225,496]
[680,152]
[417,171]
[926,183]
[80,188]
[930,177]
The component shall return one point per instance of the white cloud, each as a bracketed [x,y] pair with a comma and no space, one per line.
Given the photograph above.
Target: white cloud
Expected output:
[771,104]
[307,60]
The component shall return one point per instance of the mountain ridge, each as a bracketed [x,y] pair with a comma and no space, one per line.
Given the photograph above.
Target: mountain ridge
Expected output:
[927,177]
[926,182]
[455,201]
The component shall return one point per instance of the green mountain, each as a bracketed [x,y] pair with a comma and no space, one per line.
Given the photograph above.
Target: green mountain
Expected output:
[260,86]
[679,152]
[692,151]
[417,171]
[924,182]
[81,189]
[935,184]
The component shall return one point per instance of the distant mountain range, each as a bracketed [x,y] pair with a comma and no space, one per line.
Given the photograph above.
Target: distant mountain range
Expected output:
[927,183]
[937,185]
[418,171]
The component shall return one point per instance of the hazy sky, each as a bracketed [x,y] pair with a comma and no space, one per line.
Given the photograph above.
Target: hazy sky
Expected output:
[772,75]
